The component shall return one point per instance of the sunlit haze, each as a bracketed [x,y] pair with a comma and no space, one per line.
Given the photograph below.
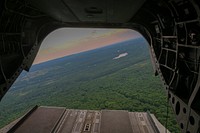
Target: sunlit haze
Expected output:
[68,41]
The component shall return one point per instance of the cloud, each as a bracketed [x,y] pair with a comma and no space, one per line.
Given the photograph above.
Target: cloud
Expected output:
[120,56]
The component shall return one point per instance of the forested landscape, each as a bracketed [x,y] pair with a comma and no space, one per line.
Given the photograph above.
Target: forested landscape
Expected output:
[118,77]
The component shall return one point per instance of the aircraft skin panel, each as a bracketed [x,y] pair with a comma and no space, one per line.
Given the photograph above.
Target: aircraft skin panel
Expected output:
[171,27]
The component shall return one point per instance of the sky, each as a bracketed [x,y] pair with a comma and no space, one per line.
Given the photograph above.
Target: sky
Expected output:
[67,41]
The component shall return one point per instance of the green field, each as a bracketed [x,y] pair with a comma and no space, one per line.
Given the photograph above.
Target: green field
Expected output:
[92,80]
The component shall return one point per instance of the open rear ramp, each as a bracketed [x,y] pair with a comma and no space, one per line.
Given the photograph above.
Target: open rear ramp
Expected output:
[60,120]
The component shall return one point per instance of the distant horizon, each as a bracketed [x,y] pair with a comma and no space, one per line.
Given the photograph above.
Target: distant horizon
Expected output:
[88,50]
[70,41]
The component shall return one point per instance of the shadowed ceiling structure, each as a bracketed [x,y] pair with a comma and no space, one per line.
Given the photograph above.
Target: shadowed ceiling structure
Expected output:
[172,28]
